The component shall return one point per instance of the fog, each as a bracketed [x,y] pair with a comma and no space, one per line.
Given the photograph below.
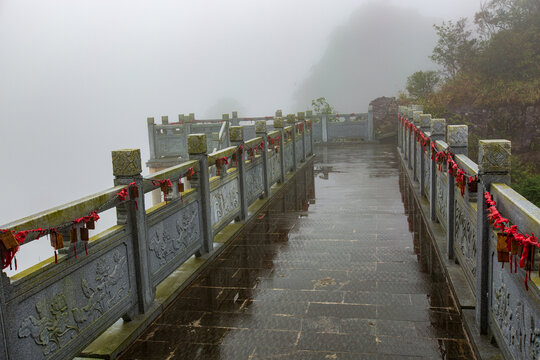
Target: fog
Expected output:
[79,78]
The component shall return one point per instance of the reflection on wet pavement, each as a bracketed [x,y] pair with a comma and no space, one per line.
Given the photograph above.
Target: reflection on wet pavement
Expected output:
[347,274]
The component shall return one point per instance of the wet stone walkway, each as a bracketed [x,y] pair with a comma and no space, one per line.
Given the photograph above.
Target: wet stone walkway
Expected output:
[334,268]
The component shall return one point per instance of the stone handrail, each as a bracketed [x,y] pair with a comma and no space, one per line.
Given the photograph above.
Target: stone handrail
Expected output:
[503,305]
[54,310]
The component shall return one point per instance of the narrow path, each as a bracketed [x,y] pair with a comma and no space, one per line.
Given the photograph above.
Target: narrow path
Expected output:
[339,278]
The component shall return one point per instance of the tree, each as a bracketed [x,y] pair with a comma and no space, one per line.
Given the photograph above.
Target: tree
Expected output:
[421,84]
[454,48]
[497,15]
[321,106]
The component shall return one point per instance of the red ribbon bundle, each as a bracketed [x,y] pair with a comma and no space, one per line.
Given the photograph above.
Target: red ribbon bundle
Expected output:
[527,241]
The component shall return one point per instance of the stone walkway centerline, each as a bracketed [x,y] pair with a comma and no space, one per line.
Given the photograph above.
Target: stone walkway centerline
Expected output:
[333,273]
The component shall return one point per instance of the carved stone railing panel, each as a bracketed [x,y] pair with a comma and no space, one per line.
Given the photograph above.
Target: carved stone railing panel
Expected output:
[514,314]
[224,201]
[274,168]
[442,197]
[299,149]
[465,237]
[254,181]
[174,234]
[73,304]
[418,157]
[309,149]
[288,151]
[427,172]
[170,141]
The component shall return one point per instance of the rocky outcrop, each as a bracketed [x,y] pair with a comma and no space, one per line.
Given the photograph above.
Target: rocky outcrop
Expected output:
[384,117]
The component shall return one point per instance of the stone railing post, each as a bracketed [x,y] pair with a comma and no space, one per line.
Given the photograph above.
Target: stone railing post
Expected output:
[278,125]
[416,150]
[399,133]
[370,123]
[309,116]
[410,139]
[291,120]
[302,120]
[457,138]
[324,127]
[236,134]
[493,166]
[126,169]
[260,130]
[198,150]
[438,129]
[425,126]
[235,121]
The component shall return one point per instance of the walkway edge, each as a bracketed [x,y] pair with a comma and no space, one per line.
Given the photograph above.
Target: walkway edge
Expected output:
[120,335]
[455,276]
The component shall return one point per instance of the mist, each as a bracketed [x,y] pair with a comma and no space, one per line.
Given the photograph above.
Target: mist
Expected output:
[79,78]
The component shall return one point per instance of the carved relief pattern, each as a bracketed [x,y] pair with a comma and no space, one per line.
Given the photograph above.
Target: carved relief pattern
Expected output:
[171,146]
[465,238]
[288,157]
[275,168]
[418,157]
[254,182]
[224,200]
[518,323]
[442,196]
[299,149]
[59,319]
[427,173]
[174,234]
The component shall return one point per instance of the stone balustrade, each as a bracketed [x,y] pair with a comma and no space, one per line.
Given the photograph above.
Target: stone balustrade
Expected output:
[55,310]
[504,308]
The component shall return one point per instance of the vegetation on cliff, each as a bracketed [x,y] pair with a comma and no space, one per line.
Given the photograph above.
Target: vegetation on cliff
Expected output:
[490,80]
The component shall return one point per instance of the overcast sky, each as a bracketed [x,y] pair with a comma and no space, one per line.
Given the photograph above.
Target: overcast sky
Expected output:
[78,78]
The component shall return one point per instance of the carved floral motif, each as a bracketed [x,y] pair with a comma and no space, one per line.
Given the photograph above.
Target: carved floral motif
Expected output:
[254,182]
[465,233]
[224,201]
[58,321]
[520,334]
[442,197]
[186,231]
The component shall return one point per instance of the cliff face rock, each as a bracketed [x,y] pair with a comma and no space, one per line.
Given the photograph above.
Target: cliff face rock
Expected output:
[384,116]
[521,125]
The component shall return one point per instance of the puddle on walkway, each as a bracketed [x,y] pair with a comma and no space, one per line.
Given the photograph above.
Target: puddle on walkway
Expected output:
[348,276]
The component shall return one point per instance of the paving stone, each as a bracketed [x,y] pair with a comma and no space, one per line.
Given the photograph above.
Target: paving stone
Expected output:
[346,278]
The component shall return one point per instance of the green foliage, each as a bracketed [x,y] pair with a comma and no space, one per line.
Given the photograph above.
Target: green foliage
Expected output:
[454,48]
[321,106]
[525,180]
[422,84]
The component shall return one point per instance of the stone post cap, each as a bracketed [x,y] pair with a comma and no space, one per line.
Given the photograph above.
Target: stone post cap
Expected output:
[410,113]
[191,116]
[235,114]
[260,126]
[416,117]
[438,126]
[279,113]
[236,133]
[309,113]
[291,118]
[197,144]
[425,121]
[402,109]
[301,116]
[418,107]
[225,116]
[126,162]
[278,122]
[494,156]
[457,135]
[181,117]
[150,120]
[165,120]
